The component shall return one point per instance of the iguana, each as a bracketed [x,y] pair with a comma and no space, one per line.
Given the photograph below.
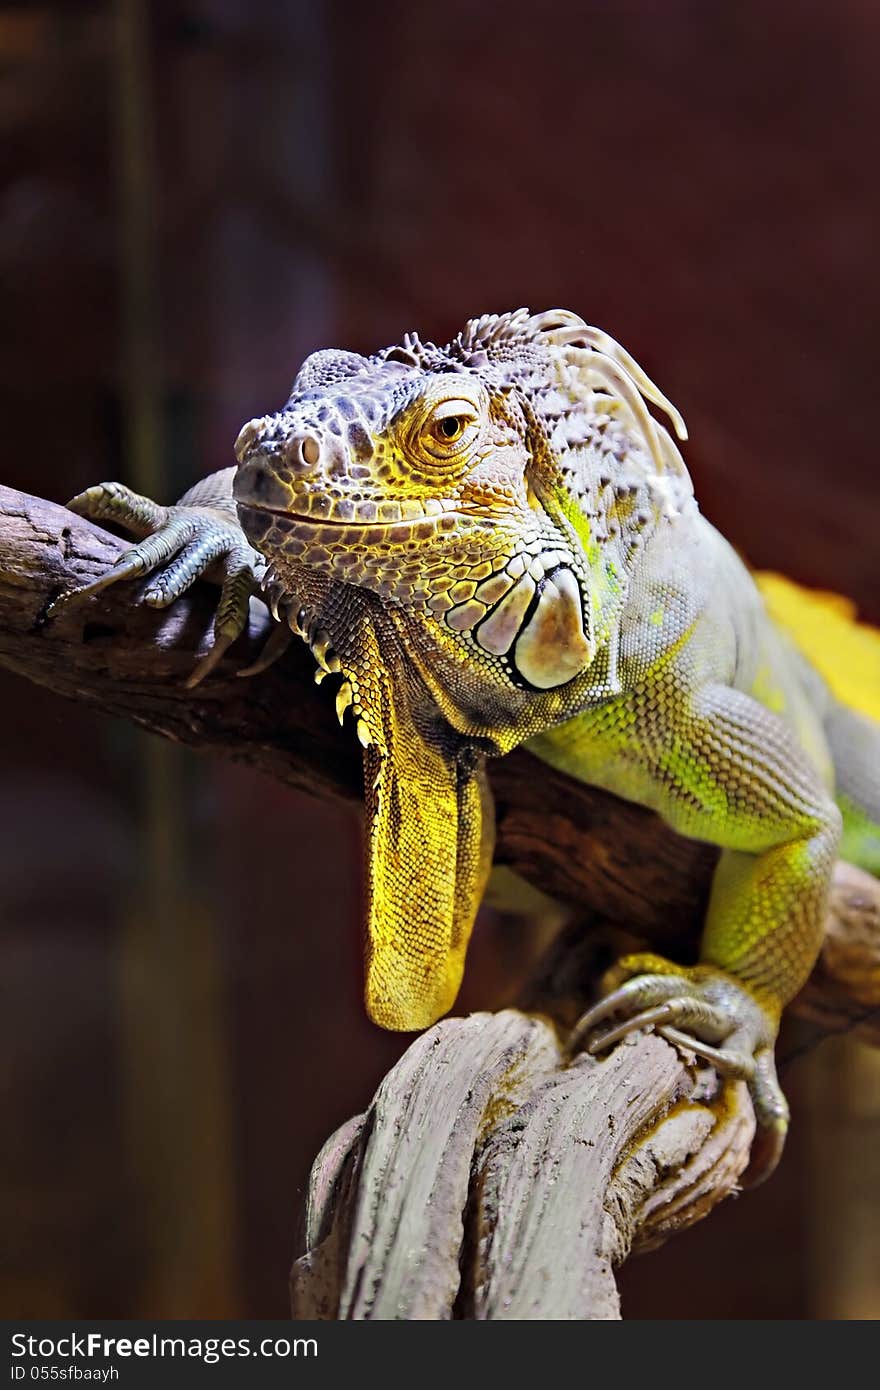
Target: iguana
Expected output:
[494,543]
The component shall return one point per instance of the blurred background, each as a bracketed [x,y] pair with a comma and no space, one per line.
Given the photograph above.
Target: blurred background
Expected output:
[195,196]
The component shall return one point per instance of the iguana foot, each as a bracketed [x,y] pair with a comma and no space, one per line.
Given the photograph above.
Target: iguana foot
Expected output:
[704,1012]
[179,545]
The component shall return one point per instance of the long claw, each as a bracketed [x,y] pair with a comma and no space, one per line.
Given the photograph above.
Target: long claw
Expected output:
[769,1098]
[141,559]
[128,566]
[626,996]
[767,1148]
[725,1060]
[693,1014]
[275,646]
[231,617]
[222,643]
[771,1111]
[615,1035]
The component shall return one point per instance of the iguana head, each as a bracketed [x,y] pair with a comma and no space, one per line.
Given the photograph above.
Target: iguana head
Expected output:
[453,530]
[497,488]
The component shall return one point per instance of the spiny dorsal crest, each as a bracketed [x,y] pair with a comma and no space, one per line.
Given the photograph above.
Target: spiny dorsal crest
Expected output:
[519,325]
[585,360]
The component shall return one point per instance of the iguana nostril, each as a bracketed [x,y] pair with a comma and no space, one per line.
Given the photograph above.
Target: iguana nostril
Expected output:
[302,452]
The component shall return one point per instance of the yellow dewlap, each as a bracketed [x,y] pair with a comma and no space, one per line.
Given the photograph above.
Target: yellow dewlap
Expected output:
[824,627]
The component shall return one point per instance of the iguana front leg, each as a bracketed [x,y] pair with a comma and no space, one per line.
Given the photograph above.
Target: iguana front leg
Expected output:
[198,536]
[733,773]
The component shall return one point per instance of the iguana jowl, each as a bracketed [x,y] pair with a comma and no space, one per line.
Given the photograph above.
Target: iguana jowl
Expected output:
[495,542]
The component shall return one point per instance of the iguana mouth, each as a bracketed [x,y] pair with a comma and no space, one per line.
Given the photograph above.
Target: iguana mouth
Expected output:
[302,518]
[265,488]
[393,527]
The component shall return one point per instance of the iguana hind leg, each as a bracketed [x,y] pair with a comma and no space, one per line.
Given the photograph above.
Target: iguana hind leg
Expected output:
[705,1013]
[734,774]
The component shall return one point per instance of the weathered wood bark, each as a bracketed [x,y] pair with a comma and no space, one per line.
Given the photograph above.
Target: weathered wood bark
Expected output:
[493,1178]
[490,1180]
[490,1177]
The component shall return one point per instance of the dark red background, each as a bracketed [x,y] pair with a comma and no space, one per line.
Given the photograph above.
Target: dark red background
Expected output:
[699,179]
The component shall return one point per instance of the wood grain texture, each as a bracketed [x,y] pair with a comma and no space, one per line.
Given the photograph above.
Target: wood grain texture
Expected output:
[492,1180]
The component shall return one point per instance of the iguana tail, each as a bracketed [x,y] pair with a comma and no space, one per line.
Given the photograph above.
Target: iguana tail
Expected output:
[846,653]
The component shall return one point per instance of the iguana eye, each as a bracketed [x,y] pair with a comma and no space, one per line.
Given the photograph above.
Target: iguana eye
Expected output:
[451,427]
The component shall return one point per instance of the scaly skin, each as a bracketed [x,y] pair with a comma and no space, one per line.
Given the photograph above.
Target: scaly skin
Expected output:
[494,543]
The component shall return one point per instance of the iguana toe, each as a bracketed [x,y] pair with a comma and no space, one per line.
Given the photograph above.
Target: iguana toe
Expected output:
[177,546]
[707,1014]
